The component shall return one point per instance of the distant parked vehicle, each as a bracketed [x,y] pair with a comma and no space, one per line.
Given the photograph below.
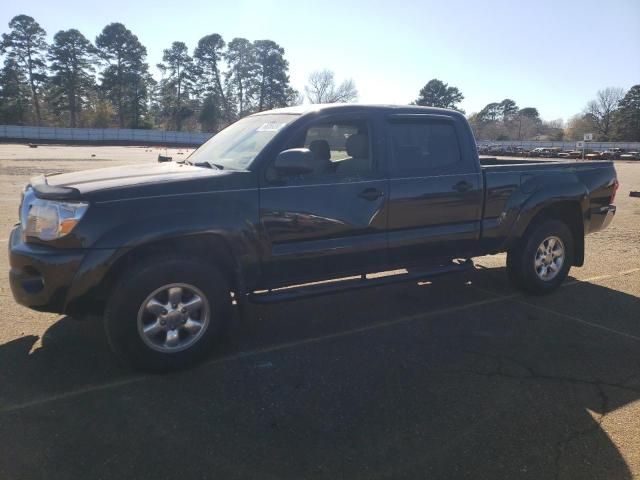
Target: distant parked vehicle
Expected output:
[517,151]
[612,154]
[505,150]
[630,156]
[546,152]
[570,154]
[537,152]
[551,152]
[484,149]
[500,150]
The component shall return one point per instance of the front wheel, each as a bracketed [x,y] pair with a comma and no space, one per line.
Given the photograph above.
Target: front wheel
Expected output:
[543,258]
[165,313]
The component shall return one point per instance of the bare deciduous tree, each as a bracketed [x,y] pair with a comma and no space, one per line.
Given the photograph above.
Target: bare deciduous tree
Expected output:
[601,109]
[578,125]
[322,88]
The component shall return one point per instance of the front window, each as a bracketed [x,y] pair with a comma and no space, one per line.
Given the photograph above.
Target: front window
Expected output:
[340,148]
[235,147]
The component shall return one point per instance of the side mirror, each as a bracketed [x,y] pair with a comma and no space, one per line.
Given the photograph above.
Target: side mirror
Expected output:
[295,161]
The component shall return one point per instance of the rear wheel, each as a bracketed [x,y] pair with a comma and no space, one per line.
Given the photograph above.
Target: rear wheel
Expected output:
[543,258]
[166,313]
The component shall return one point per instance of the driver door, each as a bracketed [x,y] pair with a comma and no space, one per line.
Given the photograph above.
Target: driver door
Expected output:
[330,222]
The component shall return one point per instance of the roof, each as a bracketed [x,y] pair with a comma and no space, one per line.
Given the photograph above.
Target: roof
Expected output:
[336,107]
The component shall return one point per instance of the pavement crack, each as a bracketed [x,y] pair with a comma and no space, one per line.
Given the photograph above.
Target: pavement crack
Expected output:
[499,370]
[532,374]
[501,360]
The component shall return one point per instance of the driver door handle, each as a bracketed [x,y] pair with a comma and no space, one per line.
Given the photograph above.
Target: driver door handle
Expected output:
[371,194]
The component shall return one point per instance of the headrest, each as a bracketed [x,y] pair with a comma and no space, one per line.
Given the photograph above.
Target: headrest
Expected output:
[358,146]
[320,149]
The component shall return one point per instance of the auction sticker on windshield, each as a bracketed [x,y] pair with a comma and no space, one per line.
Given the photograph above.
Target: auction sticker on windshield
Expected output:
[270,127]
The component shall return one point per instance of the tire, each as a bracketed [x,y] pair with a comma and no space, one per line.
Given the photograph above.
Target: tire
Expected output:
[531,269]
[178,292]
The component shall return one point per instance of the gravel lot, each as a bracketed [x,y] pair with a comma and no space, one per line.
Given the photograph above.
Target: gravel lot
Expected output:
[462,377]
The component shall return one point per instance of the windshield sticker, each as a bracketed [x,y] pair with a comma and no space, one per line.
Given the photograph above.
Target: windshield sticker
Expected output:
[270,127]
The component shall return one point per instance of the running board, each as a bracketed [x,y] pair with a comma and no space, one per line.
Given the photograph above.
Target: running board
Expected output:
[315,290]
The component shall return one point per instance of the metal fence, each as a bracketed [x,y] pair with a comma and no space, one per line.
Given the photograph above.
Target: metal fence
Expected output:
[531,144]
[107,136]
[128,136]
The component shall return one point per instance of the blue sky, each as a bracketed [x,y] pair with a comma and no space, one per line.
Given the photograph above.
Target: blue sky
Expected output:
[553,55]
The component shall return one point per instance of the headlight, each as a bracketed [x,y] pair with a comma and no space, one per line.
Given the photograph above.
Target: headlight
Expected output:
[50,219]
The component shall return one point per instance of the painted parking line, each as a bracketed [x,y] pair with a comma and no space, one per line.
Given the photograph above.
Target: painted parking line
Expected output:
[253,353]
[601,277]
[518,297]
[288,345]
[579,320]
[568,283]
[72,393]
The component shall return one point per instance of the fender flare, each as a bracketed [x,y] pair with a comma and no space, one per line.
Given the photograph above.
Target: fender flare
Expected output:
[543,198]
[100,261]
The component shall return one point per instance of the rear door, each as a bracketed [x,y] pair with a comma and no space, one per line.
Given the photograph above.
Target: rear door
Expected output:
[332,221]
[435,198]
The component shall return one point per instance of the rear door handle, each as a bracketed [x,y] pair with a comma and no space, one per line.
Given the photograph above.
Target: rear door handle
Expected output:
[462,186]
[371,194]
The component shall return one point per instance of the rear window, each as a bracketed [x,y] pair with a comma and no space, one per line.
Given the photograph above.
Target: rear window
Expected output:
[427,147]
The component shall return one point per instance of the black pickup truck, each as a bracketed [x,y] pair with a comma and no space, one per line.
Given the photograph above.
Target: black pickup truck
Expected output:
[278,202]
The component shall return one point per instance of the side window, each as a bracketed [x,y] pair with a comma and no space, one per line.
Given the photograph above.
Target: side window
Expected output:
[424,147]
[338,147]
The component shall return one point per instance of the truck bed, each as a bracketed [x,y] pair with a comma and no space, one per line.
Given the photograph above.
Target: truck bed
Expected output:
[512,186]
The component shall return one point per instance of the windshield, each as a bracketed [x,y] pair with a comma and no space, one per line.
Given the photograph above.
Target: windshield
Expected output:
[236,146]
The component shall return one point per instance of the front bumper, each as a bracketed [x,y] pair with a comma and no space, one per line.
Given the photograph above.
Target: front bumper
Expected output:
[40,276]
[601,218]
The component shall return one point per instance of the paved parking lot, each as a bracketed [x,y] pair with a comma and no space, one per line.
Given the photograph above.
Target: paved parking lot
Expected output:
[462,377]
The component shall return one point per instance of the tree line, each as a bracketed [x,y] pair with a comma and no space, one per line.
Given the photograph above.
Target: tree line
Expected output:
[107,83]
[614,115]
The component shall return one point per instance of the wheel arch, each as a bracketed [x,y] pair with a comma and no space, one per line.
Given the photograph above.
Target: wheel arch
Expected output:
[94,285]
[569,212]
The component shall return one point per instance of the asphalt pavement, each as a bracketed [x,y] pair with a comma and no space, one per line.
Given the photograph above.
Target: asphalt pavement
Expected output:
[461,377]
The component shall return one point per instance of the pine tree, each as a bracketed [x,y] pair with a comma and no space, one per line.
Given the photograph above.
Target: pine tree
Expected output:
[208,57]
[25,45]
[627,117]
[176,86]
[272,75]
[72,64]
[436,93]
[125,79]
[14,94]
[240,78]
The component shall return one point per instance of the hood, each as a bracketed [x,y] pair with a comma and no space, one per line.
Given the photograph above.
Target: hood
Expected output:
[126,180]
[129,175]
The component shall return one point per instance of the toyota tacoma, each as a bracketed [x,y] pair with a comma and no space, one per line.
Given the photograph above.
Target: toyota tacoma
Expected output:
[280,201]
